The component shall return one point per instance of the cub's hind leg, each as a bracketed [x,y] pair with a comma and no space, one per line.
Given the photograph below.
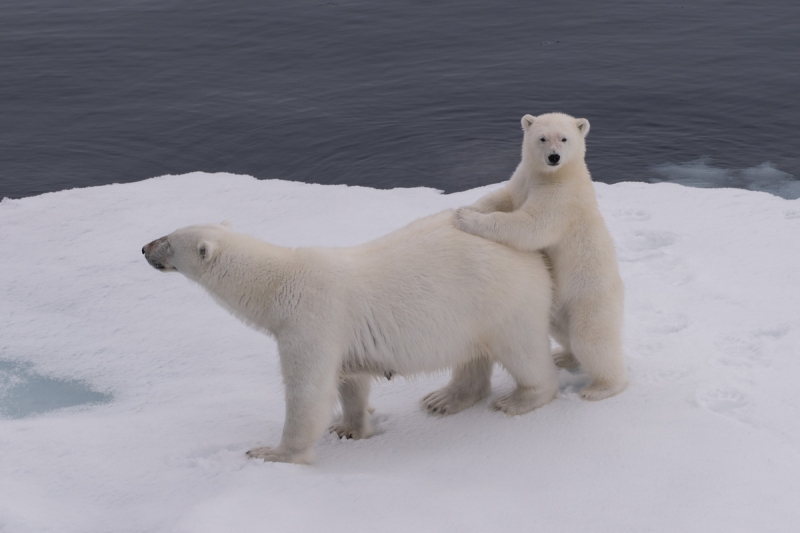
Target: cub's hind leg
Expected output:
[471,383]
[596,340]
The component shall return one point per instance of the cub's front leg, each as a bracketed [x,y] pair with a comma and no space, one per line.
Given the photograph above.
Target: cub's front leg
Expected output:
[499,200]
[310,375]
[517,229]
[471,221]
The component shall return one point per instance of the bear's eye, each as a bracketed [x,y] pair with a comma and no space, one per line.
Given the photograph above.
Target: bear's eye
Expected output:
[563,139]
[543,139]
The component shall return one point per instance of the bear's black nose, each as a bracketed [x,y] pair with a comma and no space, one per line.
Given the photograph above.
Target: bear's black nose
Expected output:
[553,158]
[143,250]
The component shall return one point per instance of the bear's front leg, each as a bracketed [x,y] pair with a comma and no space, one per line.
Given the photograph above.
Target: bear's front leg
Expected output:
[354,395]
[310,377]
[471,383]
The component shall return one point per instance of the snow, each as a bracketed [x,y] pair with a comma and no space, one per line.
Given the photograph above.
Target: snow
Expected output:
[706,437]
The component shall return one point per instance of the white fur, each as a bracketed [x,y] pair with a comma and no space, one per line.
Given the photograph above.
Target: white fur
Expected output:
[424,298]
[552,208]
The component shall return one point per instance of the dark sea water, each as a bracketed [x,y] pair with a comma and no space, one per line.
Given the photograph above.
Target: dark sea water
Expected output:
[395,94]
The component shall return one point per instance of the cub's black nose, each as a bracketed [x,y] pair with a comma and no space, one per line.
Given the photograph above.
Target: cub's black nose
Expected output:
[143,250]
[553,158]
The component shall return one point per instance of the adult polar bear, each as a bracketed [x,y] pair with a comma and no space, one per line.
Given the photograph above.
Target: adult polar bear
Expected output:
[549,205]
[423,298]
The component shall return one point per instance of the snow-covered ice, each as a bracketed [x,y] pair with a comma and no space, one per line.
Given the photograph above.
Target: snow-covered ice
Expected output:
[701,173]
[706,438]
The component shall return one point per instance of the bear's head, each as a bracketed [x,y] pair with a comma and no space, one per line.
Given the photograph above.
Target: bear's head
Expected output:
[553,140]
[189,250]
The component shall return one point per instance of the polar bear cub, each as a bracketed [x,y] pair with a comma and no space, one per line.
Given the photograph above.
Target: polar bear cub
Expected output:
[550,205]
[421,299]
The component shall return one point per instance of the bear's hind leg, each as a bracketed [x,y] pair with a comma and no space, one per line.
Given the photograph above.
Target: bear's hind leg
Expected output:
[533,369]
[471,383]
[354,396]
[563,357]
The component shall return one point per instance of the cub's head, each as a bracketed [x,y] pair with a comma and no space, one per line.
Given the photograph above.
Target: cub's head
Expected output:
[189,250]
[553,140]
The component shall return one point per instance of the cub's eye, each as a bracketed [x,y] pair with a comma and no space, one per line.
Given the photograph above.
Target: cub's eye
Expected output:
[543,139]
[564,139]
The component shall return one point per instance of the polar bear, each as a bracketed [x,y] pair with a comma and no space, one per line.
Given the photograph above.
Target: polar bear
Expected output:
[423,298]
[550,205]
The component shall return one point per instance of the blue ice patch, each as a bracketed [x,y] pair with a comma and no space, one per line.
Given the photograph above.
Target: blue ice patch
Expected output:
[24,393]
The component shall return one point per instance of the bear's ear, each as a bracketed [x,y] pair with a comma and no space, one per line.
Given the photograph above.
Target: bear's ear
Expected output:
[527,121]
[583,126]
[206,250]
[226,223]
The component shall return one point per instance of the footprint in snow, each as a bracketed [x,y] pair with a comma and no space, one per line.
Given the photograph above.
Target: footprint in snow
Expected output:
[750,349]
[741,352]
[667,323]
[663,377]
[648,240]
[658,320]
[633,215]
[723,401]
[790,214]
[774,332]
[644,245]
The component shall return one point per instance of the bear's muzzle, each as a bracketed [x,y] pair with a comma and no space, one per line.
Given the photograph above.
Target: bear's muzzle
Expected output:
[155,253]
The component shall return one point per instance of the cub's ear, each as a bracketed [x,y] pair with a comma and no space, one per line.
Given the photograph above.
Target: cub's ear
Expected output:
[226,223]
[583,126]
[206,250]
[527,121]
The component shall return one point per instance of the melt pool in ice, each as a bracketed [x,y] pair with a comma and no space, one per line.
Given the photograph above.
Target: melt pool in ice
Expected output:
[25,393]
